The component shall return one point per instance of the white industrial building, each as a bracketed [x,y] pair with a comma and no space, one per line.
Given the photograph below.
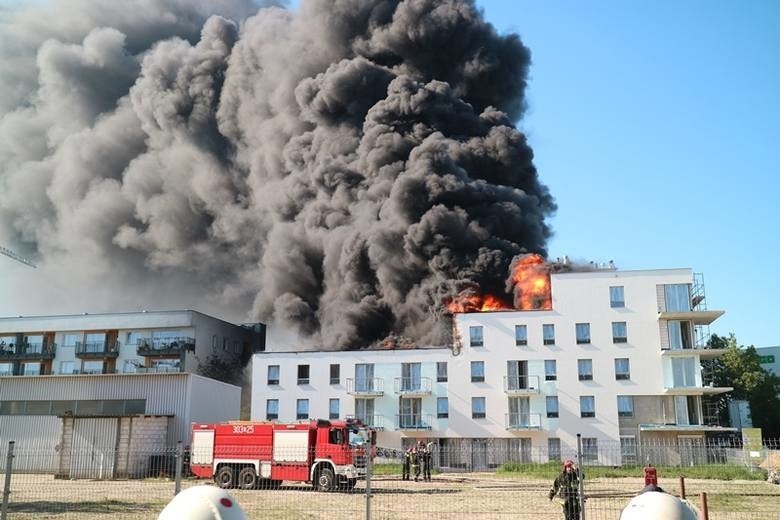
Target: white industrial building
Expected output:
[616,359]
[95,394]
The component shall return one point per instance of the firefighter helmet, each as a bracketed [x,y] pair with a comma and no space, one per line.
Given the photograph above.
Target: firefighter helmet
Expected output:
[203,503]
[654,505]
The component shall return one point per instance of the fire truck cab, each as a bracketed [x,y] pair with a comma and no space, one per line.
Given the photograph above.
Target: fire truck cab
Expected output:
[327,454]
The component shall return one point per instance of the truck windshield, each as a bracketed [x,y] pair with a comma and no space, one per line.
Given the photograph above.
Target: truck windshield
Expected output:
[356,439]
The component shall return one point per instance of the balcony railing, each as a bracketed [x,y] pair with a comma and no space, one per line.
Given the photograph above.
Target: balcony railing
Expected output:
[28,351]
[164,347]
[413,421]
[523,421]
[376,422]
[521,385]
[366,386]
[413,385]
[97,349]
[155,370]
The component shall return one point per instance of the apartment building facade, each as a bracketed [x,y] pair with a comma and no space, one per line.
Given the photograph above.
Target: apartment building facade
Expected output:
[616,359]
[132,342]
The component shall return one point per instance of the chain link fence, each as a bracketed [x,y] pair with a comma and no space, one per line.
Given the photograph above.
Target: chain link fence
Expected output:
[482,480]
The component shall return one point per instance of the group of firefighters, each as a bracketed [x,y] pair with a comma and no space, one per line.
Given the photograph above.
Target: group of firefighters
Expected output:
[417,460]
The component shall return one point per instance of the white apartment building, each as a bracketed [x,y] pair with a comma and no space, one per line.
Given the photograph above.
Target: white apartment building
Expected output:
[770,359]
[617,359]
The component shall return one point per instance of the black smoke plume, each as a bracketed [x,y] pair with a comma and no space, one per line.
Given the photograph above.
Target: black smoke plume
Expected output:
[344,168]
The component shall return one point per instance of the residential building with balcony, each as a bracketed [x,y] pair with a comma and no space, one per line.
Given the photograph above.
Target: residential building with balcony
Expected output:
[617,359]
[132,342]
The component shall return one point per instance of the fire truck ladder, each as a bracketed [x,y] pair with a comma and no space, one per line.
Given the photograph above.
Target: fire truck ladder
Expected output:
[18,258]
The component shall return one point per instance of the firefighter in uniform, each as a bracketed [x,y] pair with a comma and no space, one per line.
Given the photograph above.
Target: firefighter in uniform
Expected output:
[566,486]
[414,460]
[407,462]
[425,459]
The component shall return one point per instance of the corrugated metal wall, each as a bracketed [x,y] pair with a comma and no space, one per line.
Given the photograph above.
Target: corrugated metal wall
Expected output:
[185,397]
[37,441]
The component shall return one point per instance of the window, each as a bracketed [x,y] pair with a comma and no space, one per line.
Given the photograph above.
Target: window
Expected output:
[619,332]
[6,369]
[552,406]
[680,334]
[335,374]
[411,377]
[333,409]
[364,377]
[214,343]
[477,371]
[92,367]
[625,406]
[677,297]
[272,409]
[521,335]
[477,407]
[684,372]
[224,343]
[622,369]
[302,409]
[554,448]
[628,450]
[441,371]
[548,334]
[475,337]
[273,374]
[587,406]
[585,369]
[583,333]
[66,367]
[70,340]
[303,374]
[550,370]
[616,298]
[31,369]
[364,411]
[442,408]
[590,449]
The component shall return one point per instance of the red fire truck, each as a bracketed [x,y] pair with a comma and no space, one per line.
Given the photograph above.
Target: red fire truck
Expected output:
[328,454]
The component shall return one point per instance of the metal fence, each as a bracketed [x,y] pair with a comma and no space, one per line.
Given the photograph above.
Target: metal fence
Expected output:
[482,480]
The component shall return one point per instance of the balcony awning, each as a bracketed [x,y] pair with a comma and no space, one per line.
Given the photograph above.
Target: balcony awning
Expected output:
[684,428]
[697,390]
[697,317]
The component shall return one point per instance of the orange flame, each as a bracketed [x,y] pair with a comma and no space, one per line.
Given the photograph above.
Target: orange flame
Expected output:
[531,280]
[470,302]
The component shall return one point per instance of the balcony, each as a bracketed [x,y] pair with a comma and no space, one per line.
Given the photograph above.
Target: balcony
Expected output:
[97,349]
[521,385]
[149,347]
[413,385]
[366,387]
[523,421]
[28,352]
[698,317]
[413,421]
[375,422]
[697,390]
[703,351]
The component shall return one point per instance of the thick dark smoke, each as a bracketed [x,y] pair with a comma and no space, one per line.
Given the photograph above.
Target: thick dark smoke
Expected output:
[344,167]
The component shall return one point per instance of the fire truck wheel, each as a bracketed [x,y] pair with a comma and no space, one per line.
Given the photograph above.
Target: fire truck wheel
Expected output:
[225,478]
[325,479]
[247,478]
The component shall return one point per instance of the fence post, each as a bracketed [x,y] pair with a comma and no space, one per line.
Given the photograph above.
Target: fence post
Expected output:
[705,513]
[682,487]
[581,477]
[369,452]
[7,486]
[179,461]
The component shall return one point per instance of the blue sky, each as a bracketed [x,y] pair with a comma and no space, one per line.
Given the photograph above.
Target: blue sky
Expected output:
[656,126]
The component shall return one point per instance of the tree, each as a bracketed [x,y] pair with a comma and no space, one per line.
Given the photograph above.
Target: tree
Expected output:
[740,368]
